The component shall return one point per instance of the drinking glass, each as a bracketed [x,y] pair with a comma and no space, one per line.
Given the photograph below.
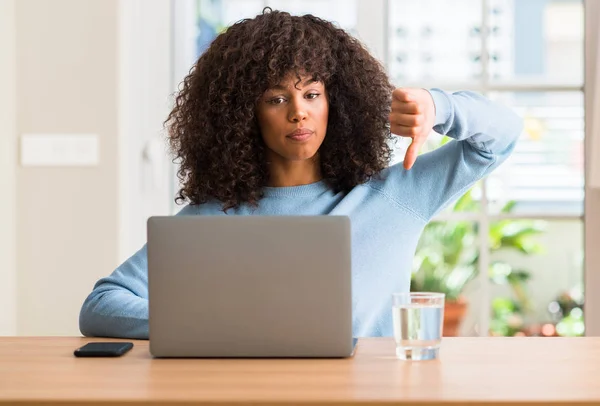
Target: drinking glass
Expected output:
[418,322]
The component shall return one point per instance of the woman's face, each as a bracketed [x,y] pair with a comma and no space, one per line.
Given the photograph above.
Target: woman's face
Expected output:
[293,118]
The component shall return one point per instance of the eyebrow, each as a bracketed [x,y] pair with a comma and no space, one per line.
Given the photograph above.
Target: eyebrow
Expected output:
[306,83]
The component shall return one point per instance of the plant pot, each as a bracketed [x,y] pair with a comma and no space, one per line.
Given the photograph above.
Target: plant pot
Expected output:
[454,312]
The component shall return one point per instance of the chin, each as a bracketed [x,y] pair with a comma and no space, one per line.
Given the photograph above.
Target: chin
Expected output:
[300,156]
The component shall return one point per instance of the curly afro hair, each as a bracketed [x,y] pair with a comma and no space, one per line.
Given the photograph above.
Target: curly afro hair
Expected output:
[213,130]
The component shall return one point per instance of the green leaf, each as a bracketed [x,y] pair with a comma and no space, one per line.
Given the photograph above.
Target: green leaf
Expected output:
[508,207]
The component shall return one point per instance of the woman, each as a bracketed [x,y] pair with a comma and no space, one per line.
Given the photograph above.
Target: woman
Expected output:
[291,115]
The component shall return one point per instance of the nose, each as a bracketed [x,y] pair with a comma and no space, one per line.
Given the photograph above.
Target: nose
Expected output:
[297,112]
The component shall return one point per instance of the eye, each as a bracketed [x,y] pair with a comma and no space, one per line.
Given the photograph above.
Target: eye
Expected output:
[311,96]
[276,100]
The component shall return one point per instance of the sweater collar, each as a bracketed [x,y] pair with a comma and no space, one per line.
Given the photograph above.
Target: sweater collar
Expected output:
[312,189]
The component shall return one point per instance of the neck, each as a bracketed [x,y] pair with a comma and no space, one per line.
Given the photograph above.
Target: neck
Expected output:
[294,173]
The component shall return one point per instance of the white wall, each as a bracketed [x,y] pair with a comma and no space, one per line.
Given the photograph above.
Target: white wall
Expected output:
[144,89]
[99,67]
[8,149]
[66,216]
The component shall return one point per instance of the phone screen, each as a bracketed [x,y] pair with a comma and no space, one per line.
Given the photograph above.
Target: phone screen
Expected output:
[103,349]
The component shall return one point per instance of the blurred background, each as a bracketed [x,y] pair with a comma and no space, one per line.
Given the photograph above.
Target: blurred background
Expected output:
[86,85]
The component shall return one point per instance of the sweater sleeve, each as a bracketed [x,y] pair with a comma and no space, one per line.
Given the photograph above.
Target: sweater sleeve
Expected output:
[118,304]
[483,134]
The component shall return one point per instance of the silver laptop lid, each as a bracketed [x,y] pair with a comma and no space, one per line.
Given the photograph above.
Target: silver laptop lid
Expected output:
[250,286]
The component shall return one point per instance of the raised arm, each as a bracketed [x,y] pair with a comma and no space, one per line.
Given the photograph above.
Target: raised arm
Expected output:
[484,134]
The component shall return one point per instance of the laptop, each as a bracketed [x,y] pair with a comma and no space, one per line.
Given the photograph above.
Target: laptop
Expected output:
[250,286]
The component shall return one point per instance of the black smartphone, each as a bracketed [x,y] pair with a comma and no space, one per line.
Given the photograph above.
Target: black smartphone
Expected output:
[103,349]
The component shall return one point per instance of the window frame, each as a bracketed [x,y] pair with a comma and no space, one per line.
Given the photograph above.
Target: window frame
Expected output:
[483,217]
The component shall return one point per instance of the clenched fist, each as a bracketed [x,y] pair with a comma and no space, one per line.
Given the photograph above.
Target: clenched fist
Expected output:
[412,115]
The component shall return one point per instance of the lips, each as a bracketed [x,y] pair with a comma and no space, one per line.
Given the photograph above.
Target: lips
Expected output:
[301,134]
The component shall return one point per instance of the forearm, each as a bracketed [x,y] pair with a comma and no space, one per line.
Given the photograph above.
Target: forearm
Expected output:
[110,311]
[489,127]
[118,304]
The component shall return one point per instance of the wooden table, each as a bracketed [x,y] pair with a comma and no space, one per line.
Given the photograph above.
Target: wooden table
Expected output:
[474,370]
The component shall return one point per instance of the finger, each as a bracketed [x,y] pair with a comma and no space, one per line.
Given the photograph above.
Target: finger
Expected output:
[405,131]
[402,95]
[412,153]
[405,107]
[412,120]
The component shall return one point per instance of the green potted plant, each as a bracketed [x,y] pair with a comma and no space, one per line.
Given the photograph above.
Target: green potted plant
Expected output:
[447,257]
